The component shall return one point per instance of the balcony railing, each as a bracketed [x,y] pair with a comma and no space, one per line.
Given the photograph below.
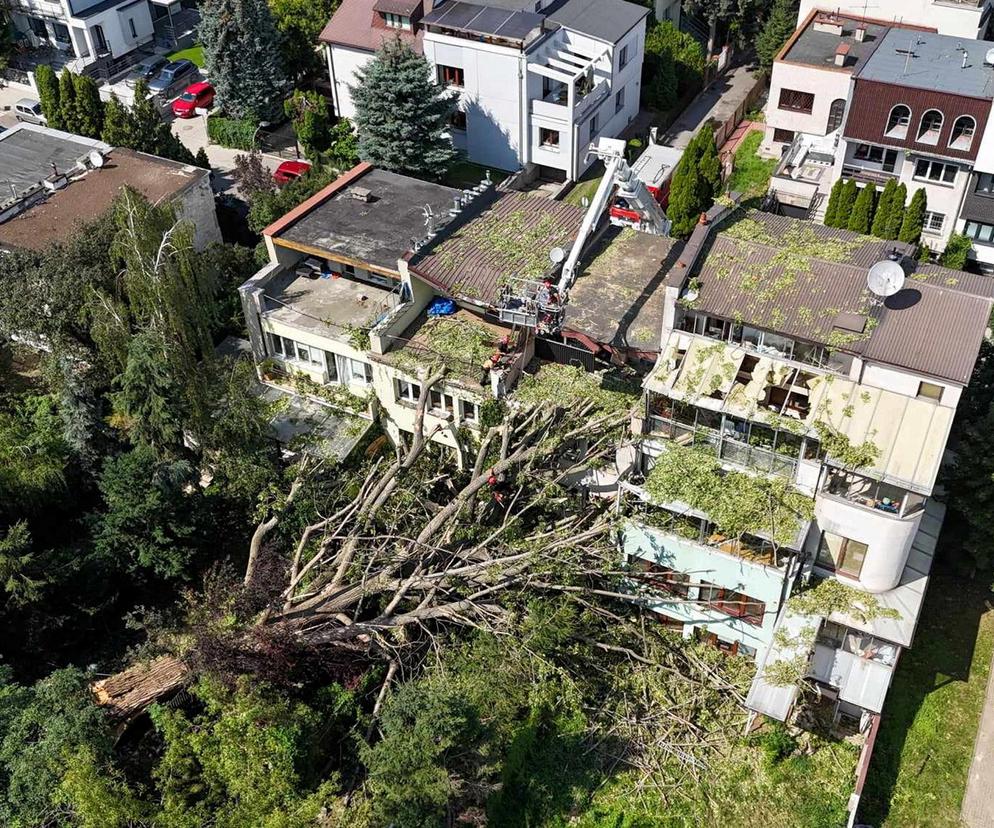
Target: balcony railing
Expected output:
[868,176]
[872,494]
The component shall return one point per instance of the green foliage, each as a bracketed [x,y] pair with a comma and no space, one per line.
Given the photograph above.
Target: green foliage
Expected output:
[840,448]
[402,114]
[832,210]
[116,129]
[344,152]
[33,453]
[673,66]
[234,133]
[957,251]
[141,127]
[16,565]
[914,218]
[299,23]
[779,26]
[48,95]
[971,478]
[311,122]
[267,206]
[750,173]
[201,159]
[570,386]
[243,58]
[777,743]
[89,107]
[67,101]
[885,206]
[832,595]
[738,503]
[98,796]
[847,201]
[897,212]
[149,405]
[696,182]
[861,217]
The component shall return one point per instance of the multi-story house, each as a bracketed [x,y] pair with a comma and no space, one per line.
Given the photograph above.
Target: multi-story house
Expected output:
[969,19]
[537,80]
[774,348]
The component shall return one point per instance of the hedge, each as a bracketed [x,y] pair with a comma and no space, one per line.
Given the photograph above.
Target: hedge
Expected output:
[234,133]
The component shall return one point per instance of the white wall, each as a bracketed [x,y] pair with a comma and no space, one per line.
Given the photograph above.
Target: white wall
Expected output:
[825,84]
[960,20]
[906,383]
[342,65]
[117,32]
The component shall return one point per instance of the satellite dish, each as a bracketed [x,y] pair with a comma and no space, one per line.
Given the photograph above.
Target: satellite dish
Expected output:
[885,278]
[96,159]
[557,254]
[989,57]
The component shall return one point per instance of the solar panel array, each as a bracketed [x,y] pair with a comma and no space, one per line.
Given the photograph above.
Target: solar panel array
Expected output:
[484,20]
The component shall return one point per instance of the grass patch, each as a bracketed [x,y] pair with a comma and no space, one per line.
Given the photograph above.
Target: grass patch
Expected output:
[195,53]
[464,174]
[924,748]
[584,188]
[751,174]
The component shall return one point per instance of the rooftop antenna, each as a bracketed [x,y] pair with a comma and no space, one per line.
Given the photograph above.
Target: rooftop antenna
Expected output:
[429,219]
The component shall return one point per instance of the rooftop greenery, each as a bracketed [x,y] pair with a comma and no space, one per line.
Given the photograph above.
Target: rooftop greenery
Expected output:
[567,386]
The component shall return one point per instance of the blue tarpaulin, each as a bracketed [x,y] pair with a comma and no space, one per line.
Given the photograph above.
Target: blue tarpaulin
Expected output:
[441,307]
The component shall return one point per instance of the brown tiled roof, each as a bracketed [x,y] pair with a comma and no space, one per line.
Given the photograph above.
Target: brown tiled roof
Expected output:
[356,24]
[89,196]
[498,238]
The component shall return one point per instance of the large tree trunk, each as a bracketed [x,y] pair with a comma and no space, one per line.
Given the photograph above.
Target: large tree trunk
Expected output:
[129,693]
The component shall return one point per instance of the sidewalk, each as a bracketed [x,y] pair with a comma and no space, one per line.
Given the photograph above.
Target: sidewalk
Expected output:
[978,802]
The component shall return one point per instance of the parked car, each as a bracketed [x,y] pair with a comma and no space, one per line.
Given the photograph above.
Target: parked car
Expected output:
[196,96]
[29,110]
[147,70]
[172,77]
[290,171]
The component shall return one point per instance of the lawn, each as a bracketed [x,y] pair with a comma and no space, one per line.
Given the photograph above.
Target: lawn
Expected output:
[465,174]
[194,53]
[751,174]
[920,762]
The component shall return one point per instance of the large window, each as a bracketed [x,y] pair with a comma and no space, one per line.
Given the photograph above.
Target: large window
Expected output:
[796,101]
[783,136]
[887,158]
[897,122]
[736,604]
[962,135]
[935,171]
[660,578]
[397,21]
[985,184]
[286,348]
[841,555]
[451,75]
[38,28]
[548,138]
[835,113]
[408,391]
[930,127]
[979,232]
[470,411]
[934,222]
[441,403]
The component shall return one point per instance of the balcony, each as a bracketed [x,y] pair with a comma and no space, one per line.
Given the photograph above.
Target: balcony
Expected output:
[873,495]
[865,175]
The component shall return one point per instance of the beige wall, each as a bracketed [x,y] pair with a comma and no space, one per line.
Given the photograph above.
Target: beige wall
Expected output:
[826,85]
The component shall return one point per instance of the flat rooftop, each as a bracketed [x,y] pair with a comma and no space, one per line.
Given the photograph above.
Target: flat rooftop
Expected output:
[92,193]
[817,48]
[327,306]
[28,151]
[931,61]
[618,298]
[497,239]
[337,223]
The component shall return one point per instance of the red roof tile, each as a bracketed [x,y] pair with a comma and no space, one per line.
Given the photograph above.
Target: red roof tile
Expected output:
[357,25]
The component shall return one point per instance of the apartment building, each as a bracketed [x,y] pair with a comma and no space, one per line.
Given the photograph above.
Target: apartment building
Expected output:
[537,80]
[970,19]
[772,338]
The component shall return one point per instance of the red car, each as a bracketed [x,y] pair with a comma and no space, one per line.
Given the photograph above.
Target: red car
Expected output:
[195,96]
[290,171]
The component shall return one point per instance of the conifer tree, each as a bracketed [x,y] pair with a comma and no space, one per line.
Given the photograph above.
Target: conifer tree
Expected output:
[117,124]
[48,95]
[881,218]
[67,101]
[243,57]
[402,115]
[847,200]
[89,107]
[832,211]
[898,206]
[914,218]
[861,218]
[201,159]
[778,27]
[696,182]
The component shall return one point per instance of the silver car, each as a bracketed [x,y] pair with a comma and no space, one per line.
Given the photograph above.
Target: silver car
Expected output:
[147,70]
[173,77]
[29,110]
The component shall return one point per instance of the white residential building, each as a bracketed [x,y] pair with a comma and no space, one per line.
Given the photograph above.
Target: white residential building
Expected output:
[969,19]
[538,80]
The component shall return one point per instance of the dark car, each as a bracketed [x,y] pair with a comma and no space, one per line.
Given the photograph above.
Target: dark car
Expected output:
[146,70]
[172,77]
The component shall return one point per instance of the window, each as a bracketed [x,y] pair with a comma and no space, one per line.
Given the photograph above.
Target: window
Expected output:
[451,75]
[933,222]
[796,101]
[619,100]
[358,371]
[897,123]
[623,57]
[930,391]
[348,269]
[660,578]
[979,232]
[594,126]
[440,402]
[835,113]
[131,25]
[935,171]
[458,120]
[397,21]
[470,411]
[962,135]
[736,604]
[783,136]
[844,556]
[332,365]
[38,28]
[408,391]
[295,351]
[305,353]
[275,344]
[548,138]
[62,31]
[887,158]
[985,184]
[930,127]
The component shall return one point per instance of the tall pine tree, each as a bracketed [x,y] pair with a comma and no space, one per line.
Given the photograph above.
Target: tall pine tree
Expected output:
[402,115]
[67,101]
[778,27]
[48,95]
[696,182]
[914,218]
[861,217]
[847,200]
[898,206]
[243,58]
[832,211]
[884,206]
[89,107]
[117,123]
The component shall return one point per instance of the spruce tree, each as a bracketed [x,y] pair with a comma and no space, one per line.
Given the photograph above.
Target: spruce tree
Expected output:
[48,95]
[898,206]
[914,218]
[861,218]
[89,107]
[884,207]
[243,58]
[696,182]
[67,101]
[402,115]
[201,159]
[832,211]
[778,27]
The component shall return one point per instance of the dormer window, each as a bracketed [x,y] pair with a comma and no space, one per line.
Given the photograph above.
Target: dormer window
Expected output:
[397,21]
[930,127]
[962,136]
[897,123]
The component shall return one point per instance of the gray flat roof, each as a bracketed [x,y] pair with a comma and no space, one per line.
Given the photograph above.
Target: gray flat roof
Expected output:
[931,61]
[814,48]
[377,232]
[27,153]
[607,20]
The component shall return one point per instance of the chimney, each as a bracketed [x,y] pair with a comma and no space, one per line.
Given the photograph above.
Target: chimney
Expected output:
[361,194]
[841,54]
[456,207]
[829,23]
[860,34]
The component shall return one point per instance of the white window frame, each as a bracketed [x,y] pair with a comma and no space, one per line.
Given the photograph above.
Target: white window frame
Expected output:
[397,21]
[965,136]
[546,145]
[936,131]
[441,402]
[469,411]
[941,180]
[977,233]
[899,129]
[929,225]
[359,372]
[407,391]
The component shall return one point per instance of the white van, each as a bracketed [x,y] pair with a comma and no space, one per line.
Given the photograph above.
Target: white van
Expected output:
[29,110]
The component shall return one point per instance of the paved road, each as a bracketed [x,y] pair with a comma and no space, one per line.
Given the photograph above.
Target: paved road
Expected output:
[978,802]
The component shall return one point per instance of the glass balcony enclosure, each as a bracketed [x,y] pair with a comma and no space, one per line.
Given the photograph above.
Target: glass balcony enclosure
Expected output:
[871,494]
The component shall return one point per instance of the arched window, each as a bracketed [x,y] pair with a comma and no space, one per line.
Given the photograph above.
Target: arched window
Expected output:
[962,136]
[897,123]
[930,127]
[835,113]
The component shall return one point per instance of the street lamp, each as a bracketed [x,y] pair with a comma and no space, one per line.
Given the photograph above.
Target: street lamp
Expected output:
[262,125]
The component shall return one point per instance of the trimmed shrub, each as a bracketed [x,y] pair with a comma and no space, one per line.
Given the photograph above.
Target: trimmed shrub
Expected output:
[234,133]
[956,252]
